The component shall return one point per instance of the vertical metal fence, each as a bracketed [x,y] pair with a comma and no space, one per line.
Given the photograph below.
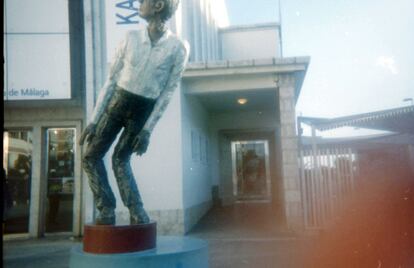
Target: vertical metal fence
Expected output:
[327,178]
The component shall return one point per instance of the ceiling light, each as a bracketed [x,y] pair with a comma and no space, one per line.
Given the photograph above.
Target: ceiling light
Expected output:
[242,101]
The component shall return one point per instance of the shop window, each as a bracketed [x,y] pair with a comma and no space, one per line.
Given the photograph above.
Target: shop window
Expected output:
[207,150]
[60,179]
[17,168]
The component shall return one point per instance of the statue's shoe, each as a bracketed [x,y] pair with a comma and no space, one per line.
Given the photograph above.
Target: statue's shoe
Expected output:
[105,217]
[138,216]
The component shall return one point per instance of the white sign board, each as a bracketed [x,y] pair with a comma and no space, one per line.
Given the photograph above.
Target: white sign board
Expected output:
[121,17]
[37,50]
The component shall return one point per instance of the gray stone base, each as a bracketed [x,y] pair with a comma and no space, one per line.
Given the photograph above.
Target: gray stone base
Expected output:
[171,222]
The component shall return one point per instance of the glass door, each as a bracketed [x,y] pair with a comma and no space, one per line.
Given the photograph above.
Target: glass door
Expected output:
[17,177]
[251,174]
[60,179]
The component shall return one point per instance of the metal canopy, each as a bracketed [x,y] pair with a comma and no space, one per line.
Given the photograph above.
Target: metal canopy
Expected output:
[400,120]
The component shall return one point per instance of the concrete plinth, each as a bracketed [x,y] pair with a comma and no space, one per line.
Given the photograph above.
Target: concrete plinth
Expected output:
[110,239]
[171,251]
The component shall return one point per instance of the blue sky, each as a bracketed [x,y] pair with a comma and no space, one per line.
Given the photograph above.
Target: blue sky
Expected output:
[362,52]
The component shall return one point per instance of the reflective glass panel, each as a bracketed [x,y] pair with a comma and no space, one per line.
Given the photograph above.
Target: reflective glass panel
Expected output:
[60,179]
[251,176]
[17,168]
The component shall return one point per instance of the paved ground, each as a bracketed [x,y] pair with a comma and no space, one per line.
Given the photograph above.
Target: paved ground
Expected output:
[241,236]
[375,229]
[45,252]
[249,235]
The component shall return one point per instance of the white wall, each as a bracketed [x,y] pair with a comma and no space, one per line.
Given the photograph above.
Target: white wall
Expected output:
[161,166]
[243,120]
[200,21]
[196,155]
[250,42]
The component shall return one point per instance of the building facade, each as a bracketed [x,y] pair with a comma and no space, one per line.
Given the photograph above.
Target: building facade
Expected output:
[228,135]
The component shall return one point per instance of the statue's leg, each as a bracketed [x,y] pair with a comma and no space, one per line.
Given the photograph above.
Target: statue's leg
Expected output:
[125,178]
[106,132]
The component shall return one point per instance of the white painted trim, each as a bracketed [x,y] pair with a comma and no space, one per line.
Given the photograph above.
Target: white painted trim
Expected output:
[205,71]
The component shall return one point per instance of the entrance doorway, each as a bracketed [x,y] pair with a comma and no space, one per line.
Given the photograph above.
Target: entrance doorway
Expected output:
[251,171]
[60,179]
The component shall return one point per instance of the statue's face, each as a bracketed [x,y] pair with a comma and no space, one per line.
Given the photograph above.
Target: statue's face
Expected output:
[145,9]
[149,8]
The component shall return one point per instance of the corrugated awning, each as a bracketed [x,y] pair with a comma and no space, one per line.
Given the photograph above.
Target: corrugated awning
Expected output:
[400,120]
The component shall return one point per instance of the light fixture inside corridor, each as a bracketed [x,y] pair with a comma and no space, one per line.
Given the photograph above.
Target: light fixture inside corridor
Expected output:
[242,101]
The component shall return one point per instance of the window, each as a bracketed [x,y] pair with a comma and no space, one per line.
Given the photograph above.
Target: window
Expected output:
[17,166]
[201,148]
[207,151]
[194,146]
[60,179]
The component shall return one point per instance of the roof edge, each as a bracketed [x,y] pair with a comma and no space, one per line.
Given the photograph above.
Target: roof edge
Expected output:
[250,26]
[223,64]
[323,124]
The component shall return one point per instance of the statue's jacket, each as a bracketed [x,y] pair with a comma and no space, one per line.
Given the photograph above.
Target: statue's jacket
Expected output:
[148,70]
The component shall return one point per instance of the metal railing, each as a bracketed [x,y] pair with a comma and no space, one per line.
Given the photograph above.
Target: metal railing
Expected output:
[327,178]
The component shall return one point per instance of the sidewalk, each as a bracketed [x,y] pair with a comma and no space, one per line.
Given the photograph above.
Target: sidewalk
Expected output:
[235,237]
[226,252]
[48,252]
[248,235]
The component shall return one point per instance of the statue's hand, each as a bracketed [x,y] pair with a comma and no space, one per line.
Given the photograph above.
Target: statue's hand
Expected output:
[141,142]
[88,134]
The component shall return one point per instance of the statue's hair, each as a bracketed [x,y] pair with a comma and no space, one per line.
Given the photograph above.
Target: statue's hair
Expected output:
[170,6]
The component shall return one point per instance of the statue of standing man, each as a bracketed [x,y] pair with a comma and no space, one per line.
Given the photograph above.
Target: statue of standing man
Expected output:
[144,73]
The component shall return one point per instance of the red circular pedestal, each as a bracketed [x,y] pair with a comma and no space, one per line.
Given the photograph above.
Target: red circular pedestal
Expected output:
[106,239]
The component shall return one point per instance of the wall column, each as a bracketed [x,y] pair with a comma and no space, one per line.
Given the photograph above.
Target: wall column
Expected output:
[289,153]
[95,65]
[37,191]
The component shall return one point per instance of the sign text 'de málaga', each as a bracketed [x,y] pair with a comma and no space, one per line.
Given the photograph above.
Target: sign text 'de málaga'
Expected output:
[27,93]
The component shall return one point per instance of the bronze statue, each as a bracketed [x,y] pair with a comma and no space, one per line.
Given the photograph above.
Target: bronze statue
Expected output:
[144,73]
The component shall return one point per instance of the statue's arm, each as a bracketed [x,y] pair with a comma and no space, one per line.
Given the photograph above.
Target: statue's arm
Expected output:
[141,142]
[105,93]
[108,88]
